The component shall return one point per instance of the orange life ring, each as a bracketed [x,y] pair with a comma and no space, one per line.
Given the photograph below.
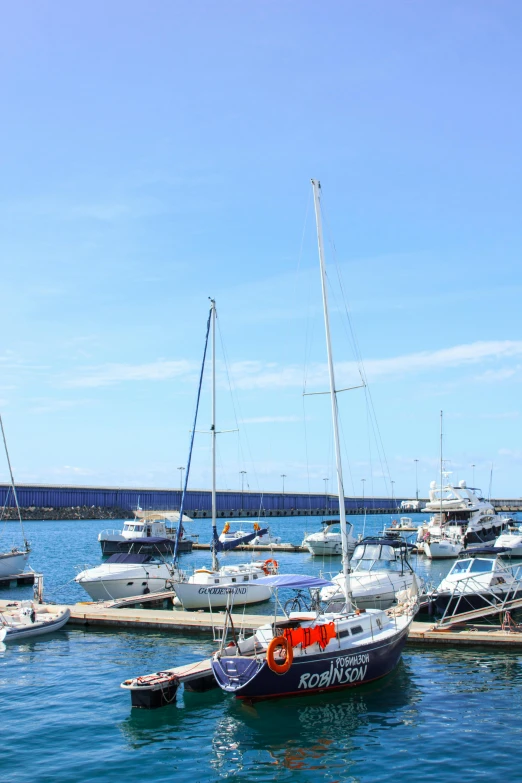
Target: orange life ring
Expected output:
[279,643]
[270,566]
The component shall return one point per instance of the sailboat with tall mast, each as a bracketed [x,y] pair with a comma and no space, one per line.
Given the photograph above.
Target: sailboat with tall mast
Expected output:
[316,651]
[13,562]
[217,586]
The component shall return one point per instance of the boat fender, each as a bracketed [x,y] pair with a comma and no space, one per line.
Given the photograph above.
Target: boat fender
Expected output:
[279,643]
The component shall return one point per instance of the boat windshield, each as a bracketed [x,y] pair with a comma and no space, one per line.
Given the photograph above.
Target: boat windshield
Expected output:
[460,566]
[481,565]
[368,557]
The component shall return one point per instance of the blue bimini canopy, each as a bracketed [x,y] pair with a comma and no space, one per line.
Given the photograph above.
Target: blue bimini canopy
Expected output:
[149,540]
[294,581]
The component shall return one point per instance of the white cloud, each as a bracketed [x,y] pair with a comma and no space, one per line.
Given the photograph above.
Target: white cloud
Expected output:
[270,375]
[41,406]
[109,374]
[270,419]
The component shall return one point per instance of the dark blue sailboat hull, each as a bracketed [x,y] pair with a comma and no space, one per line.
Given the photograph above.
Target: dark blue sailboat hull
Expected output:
[248,678]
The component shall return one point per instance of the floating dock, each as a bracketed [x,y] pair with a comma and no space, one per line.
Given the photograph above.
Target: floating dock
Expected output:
[273,548]
[172,621]
[17,580]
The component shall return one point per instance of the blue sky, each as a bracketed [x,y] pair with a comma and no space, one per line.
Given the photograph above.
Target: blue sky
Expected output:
[155,154]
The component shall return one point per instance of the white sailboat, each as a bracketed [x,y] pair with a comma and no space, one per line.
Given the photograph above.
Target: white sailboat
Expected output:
[13,562]
[311,652]
[218,586]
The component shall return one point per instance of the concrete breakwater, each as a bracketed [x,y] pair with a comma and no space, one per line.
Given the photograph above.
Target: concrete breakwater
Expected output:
[72,512]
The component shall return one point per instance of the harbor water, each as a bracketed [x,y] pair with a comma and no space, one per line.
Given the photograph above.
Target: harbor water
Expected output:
[443,714]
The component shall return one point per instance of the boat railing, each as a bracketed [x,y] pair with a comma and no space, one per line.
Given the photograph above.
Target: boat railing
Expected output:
[471,584]
[111,532]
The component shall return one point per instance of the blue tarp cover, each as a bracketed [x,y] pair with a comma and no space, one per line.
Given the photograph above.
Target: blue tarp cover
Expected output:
[129,558]
[295,581]
[484,550]
[149,540]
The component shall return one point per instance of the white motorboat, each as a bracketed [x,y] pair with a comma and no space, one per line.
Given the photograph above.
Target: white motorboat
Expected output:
[137,533]
[477,579]
[380,574]
[125,575]
[315,652]
[461,519]
[27,619]
[328,541]
[266,539]
[234,585]
[13,561]
[511,541]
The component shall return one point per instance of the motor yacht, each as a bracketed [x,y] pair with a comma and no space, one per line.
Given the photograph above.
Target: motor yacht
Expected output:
[124,575]
[380,574]
[477,579]
[328,540]
[147,524]
[461,519]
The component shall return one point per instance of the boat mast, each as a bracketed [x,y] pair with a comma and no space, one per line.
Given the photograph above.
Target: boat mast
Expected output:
[13,484]
[441,464]
[215,563]
[333,395]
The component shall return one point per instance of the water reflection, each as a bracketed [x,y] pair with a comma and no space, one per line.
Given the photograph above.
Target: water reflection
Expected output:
[308,733]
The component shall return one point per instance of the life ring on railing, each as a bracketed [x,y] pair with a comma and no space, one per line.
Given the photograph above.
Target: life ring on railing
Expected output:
[270,566]
[279,643]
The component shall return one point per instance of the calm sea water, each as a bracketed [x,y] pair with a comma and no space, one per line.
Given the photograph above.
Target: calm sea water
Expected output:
[443,714]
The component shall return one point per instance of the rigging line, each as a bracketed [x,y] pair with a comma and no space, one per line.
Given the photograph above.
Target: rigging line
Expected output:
[193,434]
[238,414]
[361,368]
[306,457]
[12,483]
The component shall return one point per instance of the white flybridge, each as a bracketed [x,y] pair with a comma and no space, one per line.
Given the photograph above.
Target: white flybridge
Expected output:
[310,652]
[13,561]
[461,519]
[217,587]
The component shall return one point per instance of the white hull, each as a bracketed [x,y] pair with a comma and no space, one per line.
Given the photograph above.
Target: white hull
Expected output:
[15,630]
[513,541]
[376,591]
[324,547]
[204,596]
[439,550]
[12,563]
[108,582]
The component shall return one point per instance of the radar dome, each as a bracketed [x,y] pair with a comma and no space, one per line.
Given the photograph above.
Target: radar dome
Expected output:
[462,484]
[433,485]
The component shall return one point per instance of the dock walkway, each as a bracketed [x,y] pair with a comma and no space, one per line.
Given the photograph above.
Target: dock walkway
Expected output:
[172,621]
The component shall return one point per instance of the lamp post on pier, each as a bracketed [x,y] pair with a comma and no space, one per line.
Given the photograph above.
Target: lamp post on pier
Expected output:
[326,504]
[283,476]
[242,473]
[416,461]
[363,482]
[473,466]
[393,494]
[181,478]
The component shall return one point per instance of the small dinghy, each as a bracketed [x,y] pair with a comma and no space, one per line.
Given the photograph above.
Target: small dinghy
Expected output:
[25,620]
